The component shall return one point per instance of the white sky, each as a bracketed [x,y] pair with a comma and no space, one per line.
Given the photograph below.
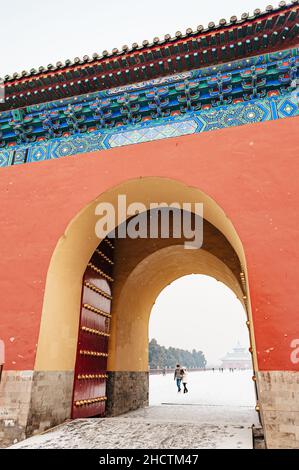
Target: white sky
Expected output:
[38,32]
[199,312]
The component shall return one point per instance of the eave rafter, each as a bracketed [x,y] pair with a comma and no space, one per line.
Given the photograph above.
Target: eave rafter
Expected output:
[272,75]
[273,29]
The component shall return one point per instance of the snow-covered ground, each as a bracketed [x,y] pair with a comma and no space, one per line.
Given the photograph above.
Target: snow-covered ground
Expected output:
[205,388]
[217,413]
[143,433]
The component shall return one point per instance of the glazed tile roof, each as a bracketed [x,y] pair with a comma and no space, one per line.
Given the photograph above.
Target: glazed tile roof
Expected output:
[264,31]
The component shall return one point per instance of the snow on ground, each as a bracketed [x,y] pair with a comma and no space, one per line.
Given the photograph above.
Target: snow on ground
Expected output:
[217,413]
[205,388]
[118,433]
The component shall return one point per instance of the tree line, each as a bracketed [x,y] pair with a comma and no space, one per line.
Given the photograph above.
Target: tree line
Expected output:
[160,357]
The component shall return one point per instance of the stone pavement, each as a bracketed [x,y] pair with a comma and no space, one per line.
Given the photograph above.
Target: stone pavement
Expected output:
[163,427]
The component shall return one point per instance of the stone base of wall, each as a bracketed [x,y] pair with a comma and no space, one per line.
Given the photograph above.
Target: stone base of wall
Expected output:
[31,402]
[15,395]
[51,400]
[279,403]
[126,391]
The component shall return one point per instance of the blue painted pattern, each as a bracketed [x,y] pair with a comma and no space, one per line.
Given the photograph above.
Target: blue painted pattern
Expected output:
[193,122]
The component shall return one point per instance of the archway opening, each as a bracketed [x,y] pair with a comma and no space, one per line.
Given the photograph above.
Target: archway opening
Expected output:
[199,323]
[141,268]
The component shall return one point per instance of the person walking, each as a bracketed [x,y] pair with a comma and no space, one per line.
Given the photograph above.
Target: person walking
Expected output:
[184,375]
[178,376]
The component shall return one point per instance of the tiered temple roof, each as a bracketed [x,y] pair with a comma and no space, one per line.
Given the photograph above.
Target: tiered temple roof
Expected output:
[263,32]
[239,357]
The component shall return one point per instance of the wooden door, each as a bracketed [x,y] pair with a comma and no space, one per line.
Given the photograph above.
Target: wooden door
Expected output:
[89,394]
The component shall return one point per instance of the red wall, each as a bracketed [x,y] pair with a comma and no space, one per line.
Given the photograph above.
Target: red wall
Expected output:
[251,171]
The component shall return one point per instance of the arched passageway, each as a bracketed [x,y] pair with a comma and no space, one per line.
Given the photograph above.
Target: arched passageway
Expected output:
[141,269]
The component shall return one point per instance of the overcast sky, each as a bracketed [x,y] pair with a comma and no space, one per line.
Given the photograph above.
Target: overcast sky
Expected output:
[199,312]
[38,32]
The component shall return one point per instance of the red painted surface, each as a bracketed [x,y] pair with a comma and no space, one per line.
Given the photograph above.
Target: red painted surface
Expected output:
[93,388]
[250,171]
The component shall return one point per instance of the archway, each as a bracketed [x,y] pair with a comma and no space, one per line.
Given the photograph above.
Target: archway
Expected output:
[137,266]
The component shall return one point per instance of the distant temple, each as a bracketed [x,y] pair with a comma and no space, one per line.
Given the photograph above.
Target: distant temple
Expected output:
[238,358]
